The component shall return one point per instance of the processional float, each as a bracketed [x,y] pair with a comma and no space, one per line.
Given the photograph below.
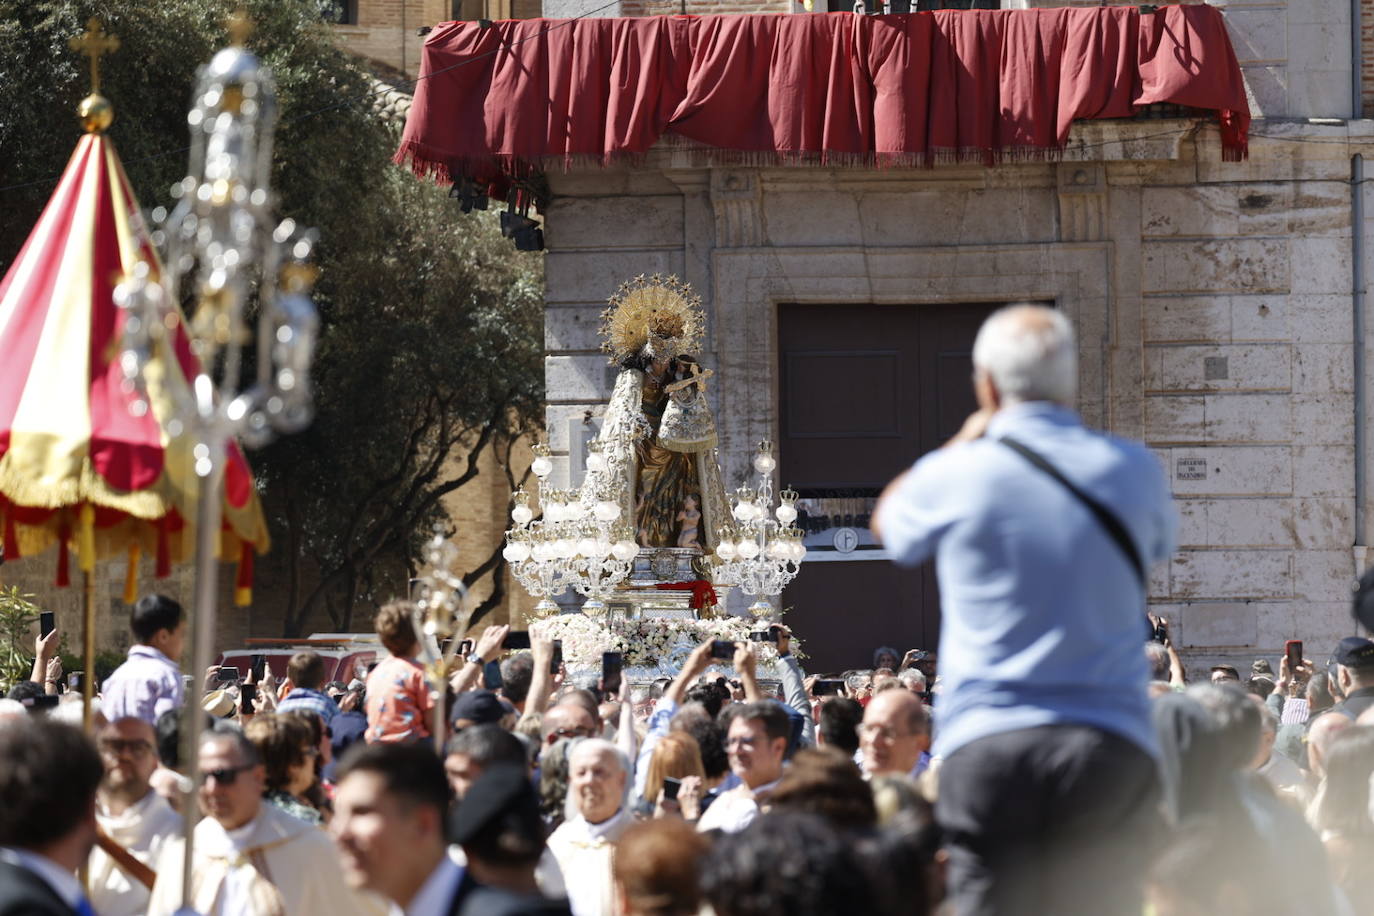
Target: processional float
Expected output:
[650,533]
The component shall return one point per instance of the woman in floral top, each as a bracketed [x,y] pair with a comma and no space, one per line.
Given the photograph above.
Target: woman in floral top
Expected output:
[288,754]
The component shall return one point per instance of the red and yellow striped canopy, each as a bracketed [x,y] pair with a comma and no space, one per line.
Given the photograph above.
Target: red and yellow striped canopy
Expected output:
[77,466]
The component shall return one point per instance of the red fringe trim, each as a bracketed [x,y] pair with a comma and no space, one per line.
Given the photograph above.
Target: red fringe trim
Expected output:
[163,567]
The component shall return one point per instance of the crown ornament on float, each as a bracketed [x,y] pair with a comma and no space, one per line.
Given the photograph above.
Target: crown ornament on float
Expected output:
[655,316]
[438,611]
[761,555]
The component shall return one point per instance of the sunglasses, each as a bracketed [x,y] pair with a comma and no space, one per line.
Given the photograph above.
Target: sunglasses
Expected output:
[119,747]
[225,776]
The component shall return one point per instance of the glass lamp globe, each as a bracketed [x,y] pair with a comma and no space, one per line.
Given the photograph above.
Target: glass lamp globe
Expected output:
[516,552]
[521,515]
[743,511]
[542,551]
[797,551]
[748,549]
[624,550]
[542,467]
[726,550]
[786,513]
[778,550]
[586,547]
[764,463]
[596,462]
[606,511]
[602,549]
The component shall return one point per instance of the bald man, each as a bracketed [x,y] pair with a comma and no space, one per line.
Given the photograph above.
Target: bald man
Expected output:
[895,735]
[1043,532]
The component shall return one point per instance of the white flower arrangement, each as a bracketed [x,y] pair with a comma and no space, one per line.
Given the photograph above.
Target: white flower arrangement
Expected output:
[659,643]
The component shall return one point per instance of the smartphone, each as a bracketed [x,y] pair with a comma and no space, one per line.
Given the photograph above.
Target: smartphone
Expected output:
[491,675]
[1293,649]
[722,648]
[769,635]
[41,703]
[611,664]
[670,787]
[228,674]
[826,687]
[259,667]
[517,639]
[465,648]
[76,681]
[47,622]
[247,694]
[557,661]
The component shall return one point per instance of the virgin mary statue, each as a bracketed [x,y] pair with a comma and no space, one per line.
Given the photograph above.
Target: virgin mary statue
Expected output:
[658,435]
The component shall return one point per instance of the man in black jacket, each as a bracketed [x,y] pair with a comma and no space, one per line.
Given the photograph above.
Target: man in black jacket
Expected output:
[49,774]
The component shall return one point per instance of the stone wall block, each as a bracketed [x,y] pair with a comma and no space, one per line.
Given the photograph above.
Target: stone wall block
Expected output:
[1274,626]
[1200,210]
[1323,368]
[1192,524]
[1248,418]
[1320,265]
[1231,574]
[1323,575]
[1259,523]
[1323,419]
[577,379]
[573,327]
[1319,318]
[1258,34]
[640,222]
[1232,471]
[1187,319]
[1324,522]
[1320,209]
[1323,470]
[1321,625]
[1175,419]
[1222,265]
[579,277]
[1260,318]
[1247,367]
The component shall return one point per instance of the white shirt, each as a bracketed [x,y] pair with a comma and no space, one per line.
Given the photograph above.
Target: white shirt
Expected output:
[736,809]
[144,687]
[63,882]
[143,829]
[1281,772]
[584,855]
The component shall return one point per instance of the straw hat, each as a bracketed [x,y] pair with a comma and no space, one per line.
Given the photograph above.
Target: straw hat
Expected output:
[218,703]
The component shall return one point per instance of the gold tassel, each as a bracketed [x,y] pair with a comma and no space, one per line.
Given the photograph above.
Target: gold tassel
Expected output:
[85,534]
[131,577]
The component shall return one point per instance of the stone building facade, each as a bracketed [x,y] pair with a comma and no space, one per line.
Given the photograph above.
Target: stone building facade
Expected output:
[1215,302]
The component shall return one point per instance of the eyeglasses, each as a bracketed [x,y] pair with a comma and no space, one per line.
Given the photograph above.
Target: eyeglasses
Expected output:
[580,732]
[225,776]
[874,730]
[737,741]
[118,747]
[310,751]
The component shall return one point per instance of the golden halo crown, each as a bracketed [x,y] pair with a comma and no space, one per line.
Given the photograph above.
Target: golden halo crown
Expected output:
[657,316]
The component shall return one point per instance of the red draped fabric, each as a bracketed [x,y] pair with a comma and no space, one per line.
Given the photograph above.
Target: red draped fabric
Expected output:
[524,95]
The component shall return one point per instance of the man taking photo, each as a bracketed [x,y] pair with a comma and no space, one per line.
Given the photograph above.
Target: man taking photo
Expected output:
[1043,533]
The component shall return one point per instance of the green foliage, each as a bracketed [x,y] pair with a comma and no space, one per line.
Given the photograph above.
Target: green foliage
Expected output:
[17,617]
[431,343]
[105,664]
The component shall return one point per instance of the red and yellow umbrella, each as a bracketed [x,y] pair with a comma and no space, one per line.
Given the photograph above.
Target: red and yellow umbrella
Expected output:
[85,462]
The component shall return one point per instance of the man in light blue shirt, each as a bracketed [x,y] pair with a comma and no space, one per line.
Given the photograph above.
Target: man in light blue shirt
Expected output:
[1043,720]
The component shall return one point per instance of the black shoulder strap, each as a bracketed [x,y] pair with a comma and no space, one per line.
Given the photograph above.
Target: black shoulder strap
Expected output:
[1103,514]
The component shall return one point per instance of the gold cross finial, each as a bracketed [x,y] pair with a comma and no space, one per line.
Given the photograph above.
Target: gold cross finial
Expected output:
[239,26]
[93,43]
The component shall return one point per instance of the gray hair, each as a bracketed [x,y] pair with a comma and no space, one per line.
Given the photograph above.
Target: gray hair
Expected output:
[1158,657]
[912,678]
[1029,352]
[578,746]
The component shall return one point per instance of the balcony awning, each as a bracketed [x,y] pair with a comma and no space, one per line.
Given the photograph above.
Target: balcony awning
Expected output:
[521,96]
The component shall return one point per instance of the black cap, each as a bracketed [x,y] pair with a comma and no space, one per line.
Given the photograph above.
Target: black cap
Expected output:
[1364,600]
[1355,652]
[502,791]
[481,707]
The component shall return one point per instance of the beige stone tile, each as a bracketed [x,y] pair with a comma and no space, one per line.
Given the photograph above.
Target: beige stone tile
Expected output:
[1231,574]
[1192,523]
[1323,419]
[1221,265]
[1247,367]
[1201,210]
[1188,318]
[1174,419]
[1216,624]
[638,222]
[1260,318]
[1259,523]
[1320,265]
[592,276]
[1323,368]
[1248,418]
[1323,575]
[578,379]
[1323,470]
[1324,522]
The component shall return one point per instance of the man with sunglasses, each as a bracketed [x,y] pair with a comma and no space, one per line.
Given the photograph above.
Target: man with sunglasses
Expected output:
[251,859]
[130,814]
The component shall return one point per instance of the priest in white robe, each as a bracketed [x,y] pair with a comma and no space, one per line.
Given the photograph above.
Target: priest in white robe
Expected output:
[598,776]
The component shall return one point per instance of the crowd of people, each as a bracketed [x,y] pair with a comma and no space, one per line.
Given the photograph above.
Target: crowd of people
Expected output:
[700,794]
[1044,763]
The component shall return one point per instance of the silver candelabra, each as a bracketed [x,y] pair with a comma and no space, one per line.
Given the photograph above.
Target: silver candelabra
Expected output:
[762,555]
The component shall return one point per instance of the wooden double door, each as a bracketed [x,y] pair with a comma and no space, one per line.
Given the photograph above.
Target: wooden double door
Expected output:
[864,391]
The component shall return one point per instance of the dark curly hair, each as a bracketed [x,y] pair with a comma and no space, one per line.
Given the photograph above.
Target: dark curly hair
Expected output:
[281,741]
[826,782]
[797,864]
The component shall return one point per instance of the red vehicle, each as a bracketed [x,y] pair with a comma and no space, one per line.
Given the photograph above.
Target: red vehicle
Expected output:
[346,655]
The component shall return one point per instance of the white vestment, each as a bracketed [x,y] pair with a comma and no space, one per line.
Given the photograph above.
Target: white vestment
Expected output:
[143,829]
[584,855]
[274,865]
